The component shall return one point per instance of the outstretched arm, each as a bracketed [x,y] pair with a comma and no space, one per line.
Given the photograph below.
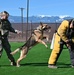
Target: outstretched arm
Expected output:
[11,29]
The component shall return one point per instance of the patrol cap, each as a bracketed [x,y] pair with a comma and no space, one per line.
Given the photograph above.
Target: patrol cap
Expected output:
[4,13]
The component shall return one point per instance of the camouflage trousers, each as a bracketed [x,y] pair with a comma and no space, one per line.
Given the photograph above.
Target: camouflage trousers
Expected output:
[1,49]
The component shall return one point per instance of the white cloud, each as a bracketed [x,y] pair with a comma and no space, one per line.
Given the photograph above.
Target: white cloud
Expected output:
[60,16]
[63,16]
[44,15]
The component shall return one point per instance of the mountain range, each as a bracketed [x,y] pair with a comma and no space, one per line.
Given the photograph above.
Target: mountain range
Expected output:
[40,18]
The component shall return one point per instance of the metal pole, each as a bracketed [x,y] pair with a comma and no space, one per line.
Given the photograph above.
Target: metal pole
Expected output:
[56,24]
[31,28]
[27,19]
[22,19]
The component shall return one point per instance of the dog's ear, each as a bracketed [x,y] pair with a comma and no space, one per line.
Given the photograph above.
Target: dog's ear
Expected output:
[41,23]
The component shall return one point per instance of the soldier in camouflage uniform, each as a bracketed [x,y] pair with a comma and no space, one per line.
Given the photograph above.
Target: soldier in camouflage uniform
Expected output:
[5,28]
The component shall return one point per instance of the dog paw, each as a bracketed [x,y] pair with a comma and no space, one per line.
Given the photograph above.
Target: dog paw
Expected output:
[18,66]
[47,47]
[12,53]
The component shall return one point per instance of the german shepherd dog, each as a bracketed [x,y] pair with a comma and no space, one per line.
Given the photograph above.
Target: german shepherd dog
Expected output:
[36,37]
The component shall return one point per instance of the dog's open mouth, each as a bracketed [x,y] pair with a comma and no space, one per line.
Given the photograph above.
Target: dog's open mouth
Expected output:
[47,28]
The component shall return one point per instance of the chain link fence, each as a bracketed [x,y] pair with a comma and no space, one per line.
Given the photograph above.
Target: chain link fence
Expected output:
[31,27]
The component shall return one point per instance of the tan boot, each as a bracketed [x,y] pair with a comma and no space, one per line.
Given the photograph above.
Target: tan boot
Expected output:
[52,66]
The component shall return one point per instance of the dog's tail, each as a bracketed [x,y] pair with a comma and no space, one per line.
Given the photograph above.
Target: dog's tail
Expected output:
[20,48]
[15,51]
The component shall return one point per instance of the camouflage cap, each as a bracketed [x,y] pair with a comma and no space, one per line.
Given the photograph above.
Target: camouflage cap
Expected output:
[4,13]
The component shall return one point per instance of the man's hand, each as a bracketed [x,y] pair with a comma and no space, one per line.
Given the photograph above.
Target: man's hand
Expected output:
[68,43]
[18,32]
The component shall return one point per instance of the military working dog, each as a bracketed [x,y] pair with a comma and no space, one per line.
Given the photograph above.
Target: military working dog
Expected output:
[36,37]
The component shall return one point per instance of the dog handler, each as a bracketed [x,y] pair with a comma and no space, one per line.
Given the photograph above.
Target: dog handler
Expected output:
[5,27]
[64,35]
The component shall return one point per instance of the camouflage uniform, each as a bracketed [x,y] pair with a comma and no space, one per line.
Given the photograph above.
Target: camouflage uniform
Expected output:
[5,28]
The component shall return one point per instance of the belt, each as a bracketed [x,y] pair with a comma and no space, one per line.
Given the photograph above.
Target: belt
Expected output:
[58,34]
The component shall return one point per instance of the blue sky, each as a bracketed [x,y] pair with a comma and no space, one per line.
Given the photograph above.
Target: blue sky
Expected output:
[39,7]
